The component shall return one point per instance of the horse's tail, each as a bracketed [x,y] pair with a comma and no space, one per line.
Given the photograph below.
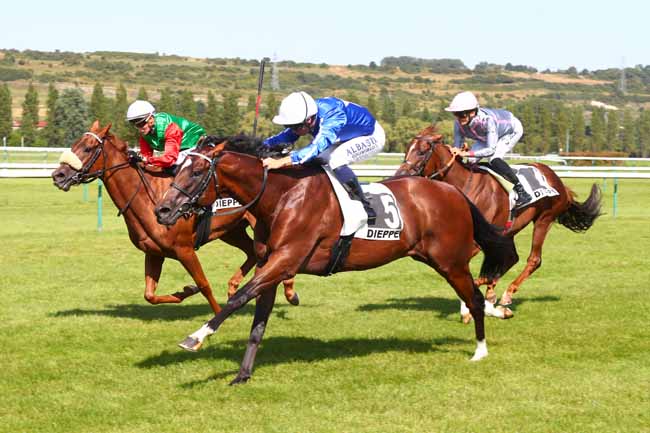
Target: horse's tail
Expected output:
[499,251]
[580,216]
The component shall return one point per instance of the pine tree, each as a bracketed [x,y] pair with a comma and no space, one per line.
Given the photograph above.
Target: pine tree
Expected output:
[613,140]
[212,119]
[598,129]
[51,134]
[389,111]
[30,116]
[99,105]
[372,105]
[71,115]
[577,142]
[167,102]
[272,106]
[6,120]
[561,123]
[187,106]
[629,132]
[231,115]
[121,127]
[644,134]
[142,94]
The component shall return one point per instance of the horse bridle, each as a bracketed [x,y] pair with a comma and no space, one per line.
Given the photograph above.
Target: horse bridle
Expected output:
[192,204]
[419,167]
[83,175]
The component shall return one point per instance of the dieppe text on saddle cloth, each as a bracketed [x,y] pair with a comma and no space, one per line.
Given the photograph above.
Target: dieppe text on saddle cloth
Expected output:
[389,222]
[225,203]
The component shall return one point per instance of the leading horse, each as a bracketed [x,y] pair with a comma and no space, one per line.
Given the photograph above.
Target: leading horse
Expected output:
[98,154]
[428,156]
[299,222]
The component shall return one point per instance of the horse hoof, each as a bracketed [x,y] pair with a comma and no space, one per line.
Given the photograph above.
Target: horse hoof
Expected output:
[507,312]
[239,380]
[294,300]
[190,344]
[466,318]
[190,290]
[505,300]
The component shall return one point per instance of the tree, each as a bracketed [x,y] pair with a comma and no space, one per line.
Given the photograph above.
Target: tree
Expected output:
[6,120]
[598,126]
[403,132]
[99,105]
[577,142]
[388,111]
[372,105]
[142,94]
[644,134]
[187,106]
[231,116]
[212,119]
[29,120]
[629,132]
[613,141]
[121,127]
[166,103]
[272,106]
[71,116]
[561,124]
[50,133]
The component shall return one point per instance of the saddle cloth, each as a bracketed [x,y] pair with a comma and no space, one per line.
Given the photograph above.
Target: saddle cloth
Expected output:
[533,181]
[389,221]
[225,203]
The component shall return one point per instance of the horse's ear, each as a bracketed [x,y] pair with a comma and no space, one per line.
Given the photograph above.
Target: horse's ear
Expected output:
[104,131]
[95,126]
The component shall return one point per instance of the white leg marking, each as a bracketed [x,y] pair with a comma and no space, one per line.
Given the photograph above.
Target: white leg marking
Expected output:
[481,351]
[203,332]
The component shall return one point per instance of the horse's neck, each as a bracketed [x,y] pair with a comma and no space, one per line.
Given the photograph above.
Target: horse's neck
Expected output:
[125,186]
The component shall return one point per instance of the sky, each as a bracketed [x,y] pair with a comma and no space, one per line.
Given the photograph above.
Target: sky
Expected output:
[545,34]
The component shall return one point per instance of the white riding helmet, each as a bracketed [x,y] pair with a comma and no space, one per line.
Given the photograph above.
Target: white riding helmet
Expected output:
[295,109]
[139,110]
[462,102]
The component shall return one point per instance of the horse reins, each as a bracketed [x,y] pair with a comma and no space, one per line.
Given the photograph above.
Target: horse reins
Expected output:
[193,198]
[423,163]
[85,176]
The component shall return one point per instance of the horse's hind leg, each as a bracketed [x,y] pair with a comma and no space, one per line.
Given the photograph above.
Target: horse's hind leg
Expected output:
[237,237]
[540,230]
[461,280]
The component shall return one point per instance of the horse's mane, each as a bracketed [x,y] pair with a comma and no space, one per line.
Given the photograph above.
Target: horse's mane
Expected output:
[241,143]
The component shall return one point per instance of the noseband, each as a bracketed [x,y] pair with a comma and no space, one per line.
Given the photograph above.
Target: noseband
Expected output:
[419,166]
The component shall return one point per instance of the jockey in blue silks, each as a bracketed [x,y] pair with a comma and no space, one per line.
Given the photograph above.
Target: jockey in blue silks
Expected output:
[495,133]
[343,133]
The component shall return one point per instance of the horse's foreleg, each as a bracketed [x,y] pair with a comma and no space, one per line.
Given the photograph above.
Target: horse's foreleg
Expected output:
[191,263]
[152,270]
[263,307]
[540,230]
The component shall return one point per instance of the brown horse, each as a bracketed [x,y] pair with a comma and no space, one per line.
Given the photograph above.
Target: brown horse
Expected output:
[100,154]
[428,156]
[299,221]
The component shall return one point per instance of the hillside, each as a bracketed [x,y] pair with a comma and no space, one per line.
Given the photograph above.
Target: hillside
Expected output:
[407,87]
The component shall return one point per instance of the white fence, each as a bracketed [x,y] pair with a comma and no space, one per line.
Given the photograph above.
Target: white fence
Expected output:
[44,169]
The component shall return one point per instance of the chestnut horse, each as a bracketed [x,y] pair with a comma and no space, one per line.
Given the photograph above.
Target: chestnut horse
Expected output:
[428,156]
[100,154]
[299,221]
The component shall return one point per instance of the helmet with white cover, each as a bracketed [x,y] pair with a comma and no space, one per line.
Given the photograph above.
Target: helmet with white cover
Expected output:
[295,109]
[139,110]
[464,101]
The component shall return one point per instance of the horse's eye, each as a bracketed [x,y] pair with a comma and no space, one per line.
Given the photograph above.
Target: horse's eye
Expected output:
[196,173]
[87,149]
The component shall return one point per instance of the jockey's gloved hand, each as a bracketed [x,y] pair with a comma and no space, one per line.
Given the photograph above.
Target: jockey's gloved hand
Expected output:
[134,156]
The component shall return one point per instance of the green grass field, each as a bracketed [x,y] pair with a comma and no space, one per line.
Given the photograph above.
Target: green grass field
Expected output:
[375,351]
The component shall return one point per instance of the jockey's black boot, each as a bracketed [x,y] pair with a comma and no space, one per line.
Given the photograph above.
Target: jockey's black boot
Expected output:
[523,197]
[356,193]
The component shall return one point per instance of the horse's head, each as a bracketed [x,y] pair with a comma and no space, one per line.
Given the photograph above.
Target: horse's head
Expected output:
[191,187]
[426,156]
[86,159]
